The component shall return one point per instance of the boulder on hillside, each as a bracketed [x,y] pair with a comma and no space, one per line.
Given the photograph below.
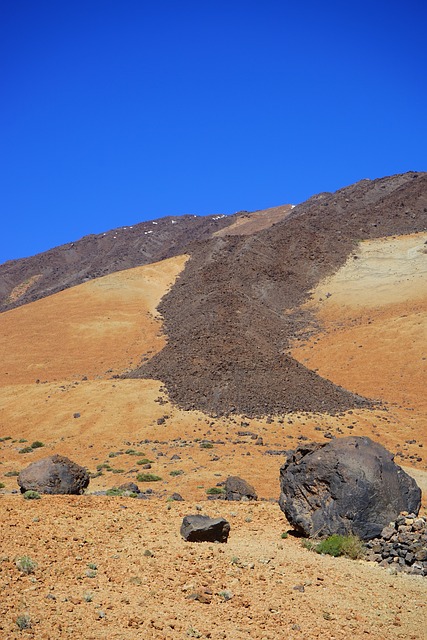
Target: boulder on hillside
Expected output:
[131,487]
[238,489]
[54,475]
[347,486]
[198,528]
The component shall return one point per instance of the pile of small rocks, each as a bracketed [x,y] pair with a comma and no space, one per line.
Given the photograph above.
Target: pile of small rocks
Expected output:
[402,545]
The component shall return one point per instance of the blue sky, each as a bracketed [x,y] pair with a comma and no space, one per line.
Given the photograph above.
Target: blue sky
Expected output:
[116,112]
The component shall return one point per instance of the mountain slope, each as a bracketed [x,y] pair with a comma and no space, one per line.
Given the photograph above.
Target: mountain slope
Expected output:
[232,313]
[29,279]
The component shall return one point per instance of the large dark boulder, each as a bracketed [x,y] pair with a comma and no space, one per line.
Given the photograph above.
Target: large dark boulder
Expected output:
[238,489]
[204,529]
[349,485]
[54,475]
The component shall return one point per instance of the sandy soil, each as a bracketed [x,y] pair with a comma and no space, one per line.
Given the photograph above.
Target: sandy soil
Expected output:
[373,319]
[95,329]
[118,568]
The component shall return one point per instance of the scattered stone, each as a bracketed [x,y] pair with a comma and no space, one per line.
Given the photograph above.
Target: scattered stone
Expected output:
[275,452]
[198,528]
[349,485]
[177,497]
[54,475]
[403,544]
[238,489]
[130,486]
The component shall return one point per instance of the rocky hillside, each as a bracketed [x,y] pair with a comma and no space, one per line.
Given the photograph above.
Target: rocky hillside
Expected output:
[235,308]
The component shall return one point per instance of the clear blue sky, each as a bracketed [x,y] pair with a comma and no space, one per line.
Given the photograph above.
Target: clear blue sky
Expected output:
[113,112]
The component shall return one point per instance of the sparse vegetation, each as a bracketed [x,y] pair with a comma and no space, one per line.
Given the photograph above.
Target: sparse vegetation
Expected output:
[37,444]
[284,535]
[336,545]
[2,485]
[215,491]
[26,565]
[176,472]
[147,477]
[105,466]
[114,491]
[144,461]
[26,450]
[206,445]
[32,495]
[23,621]
[11,474]
[92,565]
[5,438]
[88,596]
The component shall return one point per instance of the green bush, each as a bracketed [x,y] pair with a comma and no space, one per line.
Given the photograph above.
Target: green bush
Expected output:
[37,444]
[176,472]
[105,466]
[11,474]
[26,565]
[23,621]
[215,491]
[206,445]
[350,546]
[144,461]
[147,477]
[26,450]
[2,485]
[32,495]
[114,492]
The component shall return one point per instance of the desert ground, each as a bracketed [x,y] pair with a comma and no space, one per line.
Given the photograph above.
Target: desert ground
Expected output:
[59,359]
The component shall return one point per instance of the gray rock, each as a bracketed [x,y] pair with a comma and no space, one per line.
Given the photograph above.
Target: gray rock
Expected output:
[349,485]
[129,486]
[177,497]
[54,475]
[238,489]
[197,528]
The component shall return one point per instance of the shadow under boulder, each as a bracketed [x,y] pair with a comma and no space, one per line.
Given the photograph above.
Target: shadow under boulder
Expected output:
[347,486]
[54,475]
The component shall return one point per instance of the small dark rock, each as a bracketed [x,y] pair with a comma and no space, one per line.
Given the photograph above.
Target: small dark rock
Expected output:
[197,528]
[177,497]
[237,489]
[129,486]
